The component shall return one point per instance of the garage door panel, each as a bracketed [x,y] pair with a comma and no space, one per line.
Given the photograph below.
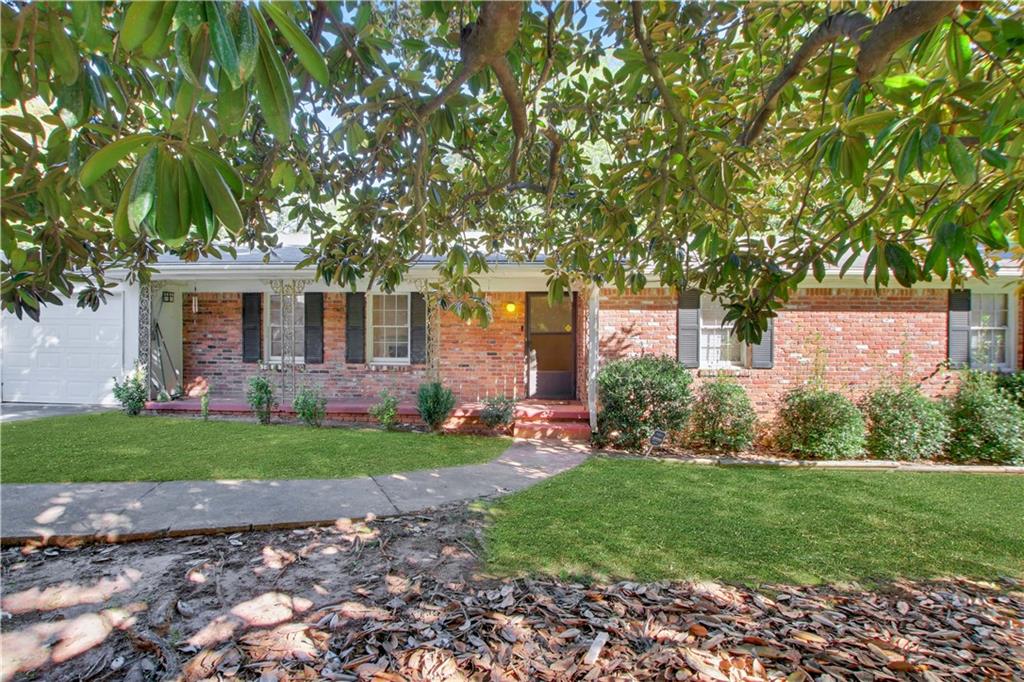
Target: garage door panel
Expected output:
[71,355]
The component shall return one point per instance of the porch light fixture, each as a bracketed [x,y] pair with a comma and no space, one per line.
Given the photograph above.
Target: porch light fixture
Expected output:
[510,307]
[195,303]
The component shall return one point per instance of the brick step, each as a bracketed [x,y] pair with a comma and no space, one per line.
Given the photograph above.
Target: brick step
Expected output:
[528,411]
[537,429]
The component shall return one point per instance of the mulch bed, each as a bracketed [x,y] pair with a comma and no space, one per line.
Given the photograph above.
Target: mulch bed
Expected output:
[400,599]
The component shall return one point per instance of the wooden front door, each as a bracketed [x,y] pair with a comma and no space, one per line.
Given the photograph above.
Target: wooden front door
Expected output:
[551,347]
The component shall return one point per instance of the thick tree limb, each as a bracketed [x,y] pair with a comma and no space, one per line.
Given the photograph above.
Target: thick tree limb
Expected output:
[516,109]
[895,30]
[483,43]
[554,165]
[848,25]
[653,68]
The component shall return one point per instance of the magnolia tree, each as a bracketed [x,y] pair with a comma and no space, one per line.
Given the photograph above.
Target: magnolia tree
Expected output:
[735,147]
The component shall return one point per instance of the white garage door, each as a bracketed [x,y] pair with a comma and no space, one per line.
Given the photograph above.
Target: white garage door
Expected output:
[70,356]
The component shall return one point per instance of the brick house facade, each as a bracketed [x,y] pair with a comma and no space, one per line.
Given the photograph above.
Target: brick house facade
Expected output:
[854,338]
[847,333]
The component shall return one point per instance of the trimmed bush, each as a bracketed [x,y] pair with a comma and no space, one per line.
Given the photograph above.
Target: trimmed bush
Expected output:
[988,426]
[820,423]
[260,396]
[640,395]
[131,392]
[499,411]
[1012,384]
[723,417]
[435,403]
[904,424]
[386,410]
[311,406]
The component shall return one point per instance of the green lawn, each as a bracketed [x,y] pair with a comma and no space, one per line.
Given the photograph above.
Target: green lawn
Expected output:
[113,447]
[648,520]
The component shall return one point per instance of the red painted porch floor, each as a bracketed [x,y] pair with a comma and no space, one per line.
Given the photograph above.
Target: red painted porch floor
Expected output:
[566,420]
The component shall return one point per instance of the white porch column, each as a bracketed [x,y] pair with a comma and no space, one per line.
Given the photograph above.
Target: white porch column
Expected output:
[593,336]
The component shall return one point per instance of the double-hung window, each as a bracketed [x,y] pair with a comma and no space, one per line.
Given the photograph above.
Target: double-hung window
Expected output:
[276,328]
[989,326]
[389,328]
[719,347]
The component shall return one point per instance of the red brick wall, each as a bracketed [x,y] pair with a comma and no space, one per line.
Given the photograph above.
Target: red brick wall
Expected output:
[862,338]
[475,362]
[212,344]
[478,362]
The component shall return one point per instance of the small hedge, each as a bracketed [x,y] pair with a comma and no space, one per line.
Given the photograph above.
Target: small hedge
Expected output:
[723,417]
[820,423]
[639,395]
[987,425]
[435,403]
[1013,385]
[904,424]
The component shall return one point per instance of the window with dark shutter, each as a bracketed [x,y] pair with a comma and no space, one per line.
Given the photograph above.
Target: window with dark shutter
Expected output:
[251,321]
[688,328]
[960,328]
[355,328]
[417,329]
[314,349]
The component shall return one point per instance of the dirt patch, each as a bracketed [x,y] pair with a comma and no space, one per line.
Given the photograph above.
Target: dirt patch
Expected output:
[402,598]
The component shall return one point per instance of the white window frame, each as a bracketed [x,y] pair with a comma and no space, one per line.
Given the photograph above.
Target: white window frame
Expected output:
[744,360]
[299,301]
[370,325]
[1009,332]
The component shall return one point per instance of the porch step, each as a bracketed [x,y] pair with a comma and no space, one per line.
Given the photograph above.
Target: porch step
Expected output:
[541,429]
[531,411]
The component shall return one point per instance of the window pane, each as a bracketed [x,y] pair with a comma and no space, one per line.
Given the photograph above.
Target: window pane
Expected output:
[275,341]
[275,309]
[390,327]
[718,346]
[547,318]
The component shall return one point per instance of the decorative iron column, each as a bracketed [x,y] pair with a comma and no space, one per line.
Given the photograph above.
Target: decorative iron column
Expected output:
[145,359]
[593,349]
[288,290]
[433,330]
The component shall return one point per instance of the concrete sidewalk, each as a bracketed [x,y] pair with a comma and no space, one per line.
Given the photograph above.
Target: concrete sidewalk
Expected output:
[111,512]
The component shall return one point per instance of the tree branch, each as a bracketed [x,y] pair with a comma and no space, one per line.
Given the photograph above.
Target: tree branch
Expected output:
[483,43]
[898,28]
[848,25]
[640,30]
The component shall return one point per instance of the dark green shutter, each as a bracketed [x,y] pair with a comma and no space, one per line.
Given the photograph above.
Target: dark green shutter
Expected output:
[688,328]
[252,309]
[355,328]
[960,328]
[762,355]
[417,329]
[314,348]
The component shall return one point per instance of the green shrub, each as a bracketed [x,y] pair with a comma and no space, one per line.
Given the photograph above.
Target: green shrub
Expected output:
[987,425]
[639,395]
[723,417]
[499,411]
[435,403]
[386,410]
[904,424]
[131,392]
[204,406]
[1013,385]
[820,423]
[311,406]
[260,396]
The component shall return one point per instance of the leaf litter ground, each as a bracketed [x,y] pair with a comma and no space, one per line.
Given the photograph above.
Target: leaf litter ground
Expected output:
[404,599]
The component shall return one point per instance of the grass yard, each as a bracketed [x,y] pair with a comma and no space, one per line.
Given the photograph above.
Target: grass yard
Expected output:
[648,520]
[113,447]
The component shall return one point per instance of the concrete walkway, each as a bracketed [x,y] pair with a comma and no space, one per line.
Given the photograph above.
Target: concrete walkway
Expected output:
[14,412]
[111,512]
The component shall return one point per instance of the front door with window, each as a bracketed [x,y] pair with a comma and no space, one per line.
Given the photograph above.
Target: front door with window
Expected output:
[551,347]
